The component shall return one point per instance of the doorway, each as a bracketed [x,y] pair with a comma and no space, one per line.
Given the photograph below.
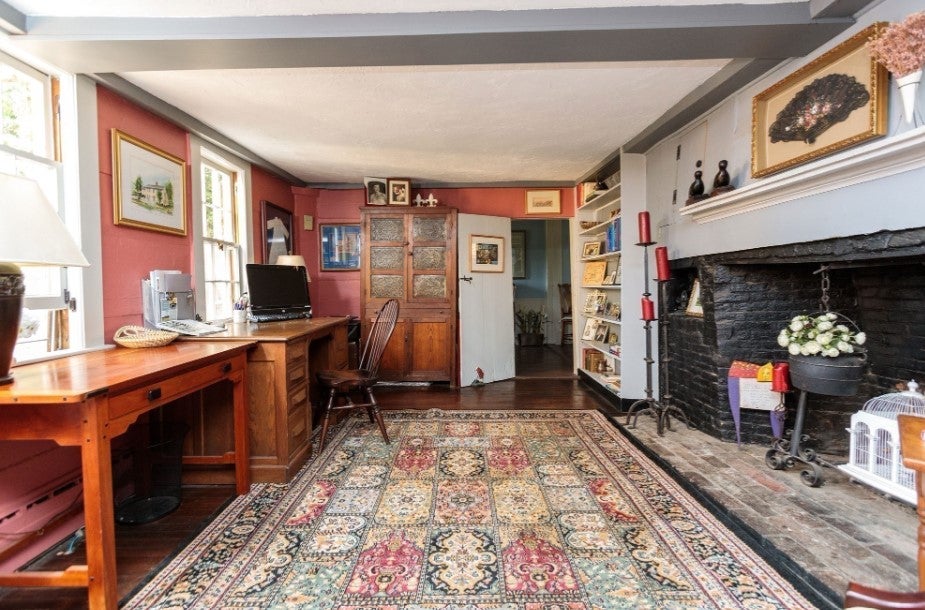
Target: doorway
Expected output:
[545,263]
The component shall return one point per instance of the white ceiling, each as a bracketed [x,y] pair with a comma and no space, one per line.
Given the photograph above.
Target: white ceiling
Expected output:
[333,113]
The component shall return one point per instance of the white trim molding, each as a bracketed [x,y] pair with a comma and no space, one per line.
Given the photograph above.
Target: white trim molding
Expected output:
[878,159]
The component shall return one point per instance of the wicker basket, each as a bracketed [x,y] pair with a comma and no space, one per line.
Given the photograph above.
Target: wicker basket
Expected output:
[139,336]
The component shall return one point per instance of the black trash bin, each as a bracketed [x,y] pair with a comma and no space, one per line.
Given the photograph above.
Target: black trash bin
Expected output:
[158,490]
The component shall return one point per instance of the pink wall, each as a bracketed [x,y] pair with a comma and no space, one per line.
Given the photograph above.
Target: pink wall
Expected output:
[338,292]
[267,187]
[130,253]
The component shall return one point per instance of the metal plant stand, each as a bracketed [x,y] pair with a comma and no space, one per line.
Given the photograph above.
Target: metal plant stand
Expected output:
[786,453]
[660,410]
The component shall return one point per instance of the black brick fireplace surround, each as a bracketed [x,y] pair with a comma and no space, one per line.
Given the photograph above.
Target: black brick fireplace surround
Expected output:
[877,280]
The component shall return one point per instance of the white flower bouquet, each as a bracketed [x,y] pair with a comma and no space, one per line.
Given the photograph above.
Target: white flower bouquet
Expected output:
[820,335]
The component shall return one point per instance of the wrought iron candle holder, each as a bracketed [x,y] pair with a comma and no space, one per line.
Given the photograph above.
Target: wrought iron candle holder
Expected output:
[663,409]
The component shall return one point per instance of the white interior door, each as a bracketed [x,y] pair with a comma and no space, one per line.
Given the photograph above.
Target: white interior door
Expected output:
[486,305]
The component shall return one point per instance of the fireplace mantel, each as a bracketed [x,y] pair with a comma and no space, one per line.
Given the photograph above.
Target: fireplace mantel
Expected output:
[878,159]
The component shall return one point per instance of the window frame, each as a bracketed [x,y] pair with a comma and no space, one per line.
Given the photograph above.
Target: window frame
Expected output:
[203,154]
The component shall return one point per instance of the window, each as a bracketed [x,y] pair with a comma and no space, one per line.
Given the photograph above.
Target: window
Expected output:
[221,241]
[29,148]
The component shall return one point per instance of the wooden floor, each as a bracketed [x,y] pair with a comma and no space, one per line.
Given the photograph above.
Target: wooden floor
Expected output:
[141,549]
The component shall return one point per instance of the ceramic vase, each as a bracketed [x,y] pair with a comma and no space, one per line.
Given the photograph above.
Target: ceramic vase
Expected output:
[908,89]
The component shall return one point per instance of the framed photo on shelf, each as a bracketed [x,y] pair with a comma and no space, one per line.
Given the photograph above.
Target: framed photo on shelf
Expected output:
[519,254]
[600,333]
[591,248]
[611,278]
[399,191]
[591,302]
[376,191]
[694,306]
[149,186]
[340,247]
[600,301]
[486,254]
[543,202]
[594,273]
[277,227]
[590,329]
[849,86]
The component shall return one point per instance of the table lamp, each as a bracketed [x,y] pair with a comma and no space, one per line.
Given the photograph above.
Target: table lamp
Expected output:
[293,260]
[31,233]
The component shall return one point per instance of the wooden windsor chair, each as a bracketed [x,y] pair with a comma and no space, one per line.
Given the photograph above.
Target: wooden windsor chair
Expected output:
[341,384]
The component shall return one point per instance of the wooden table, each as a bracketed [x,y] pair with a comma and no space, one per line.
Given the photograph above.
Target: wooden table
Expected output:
[88,399]
[280,383]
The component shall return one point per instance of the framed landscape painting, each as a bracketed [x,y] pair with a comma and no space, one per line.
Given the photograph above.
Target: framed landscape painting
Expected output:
[149,186]
[836,101]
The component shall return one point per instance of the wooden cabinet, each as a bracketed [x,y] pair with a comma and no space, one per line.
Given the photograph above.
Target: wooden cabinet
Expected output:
[599,305]
[409,254]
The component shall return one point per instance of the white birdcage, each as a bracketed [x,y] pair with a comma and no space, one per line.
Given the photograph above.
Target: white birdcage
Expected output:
[874,457]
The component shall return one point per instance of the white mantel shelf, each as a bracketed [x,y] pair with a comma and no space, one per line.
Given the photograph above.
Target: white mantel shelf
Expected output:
[877,159]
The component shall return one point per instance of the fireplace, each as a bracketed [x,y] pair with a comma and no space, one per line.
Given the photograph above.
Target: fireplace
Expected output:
[877,280]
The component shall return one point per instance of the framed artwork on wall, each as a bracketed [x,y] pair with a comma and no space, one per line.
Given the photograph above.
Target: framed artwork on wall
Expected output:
[399,191]
[519,254]
[277,226]
[486,254]
[376,191]
[149,186]
[836,101]
[544,202]
[340,247]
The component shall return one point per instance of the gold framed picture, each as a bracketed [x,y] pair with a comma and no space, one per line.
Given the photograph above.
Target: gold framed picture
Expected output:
[836,101]
[544,202]
[149,186]
[591,248]
[594,273]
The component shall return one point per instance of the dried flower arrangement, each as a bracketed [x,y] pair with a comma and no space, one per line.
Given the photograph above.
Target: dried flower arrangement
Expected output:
[900,47]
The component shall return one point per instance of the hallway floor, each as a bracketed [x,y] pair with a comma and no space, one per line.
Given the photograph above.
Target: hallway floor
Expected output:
[543,361]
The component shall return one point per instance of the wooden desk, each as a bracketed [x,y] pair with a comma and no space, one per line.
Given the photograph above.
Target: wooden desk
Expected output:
[280,388]
[88,399]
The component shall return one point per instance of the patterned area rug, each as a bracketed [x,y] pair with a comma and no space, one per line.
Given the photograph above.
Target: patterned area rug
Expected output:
[525,510]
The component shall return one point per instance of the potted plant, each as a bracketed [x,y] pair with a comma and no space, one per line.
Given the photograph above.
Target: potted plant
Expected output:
[826,356]
[530,325]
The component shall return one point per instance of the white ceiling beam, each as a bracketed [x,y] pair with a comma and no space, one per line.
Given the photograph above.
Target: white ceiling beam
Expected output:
[11,20]
[655,33]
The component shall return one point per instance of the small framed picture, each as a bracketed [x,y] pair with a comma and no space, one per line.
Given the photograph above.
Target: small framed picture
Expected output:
[694,306]
[600,301]
[486,253]
[600,333]
[610,279]
[590,329]
[544,202]
[613,338]
[399,191]
[591,248]
[376,191]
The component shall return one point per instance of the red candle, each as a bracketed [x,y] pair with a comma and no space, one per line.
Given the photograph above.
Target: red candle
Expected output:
[780,377]
[648,309]
[645,236]
[661,264]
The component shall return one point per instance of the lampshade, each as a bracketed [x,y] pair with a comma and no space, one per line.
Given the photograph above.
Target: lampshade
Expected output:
[31,233]
[293,260]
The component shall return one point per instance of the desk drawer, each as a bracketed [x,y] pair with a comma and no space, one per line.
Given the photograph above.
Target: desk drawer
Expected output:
[157,394]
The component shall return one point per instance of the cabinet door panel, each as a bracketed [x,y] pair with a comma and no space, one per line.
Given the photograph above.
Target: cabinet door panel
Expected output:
[395,359]
[431,348]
